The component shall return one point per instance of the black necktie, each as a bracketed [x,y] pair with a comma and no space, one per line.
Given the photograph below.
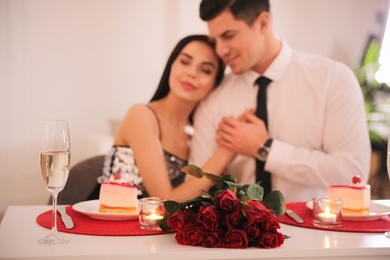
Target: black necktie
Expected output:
[261,112]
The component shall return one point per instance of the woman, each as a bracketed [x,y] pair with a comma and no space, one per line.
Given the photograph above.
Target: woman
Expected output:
[152,143]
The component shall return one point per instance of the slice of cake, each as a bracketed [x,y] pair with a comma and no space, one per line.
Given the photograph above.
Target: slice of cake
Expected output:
[118,196]
[356,198]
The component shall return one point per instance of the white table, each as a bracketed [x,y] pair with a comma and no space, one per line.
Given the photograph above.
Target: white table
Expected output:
[19,233]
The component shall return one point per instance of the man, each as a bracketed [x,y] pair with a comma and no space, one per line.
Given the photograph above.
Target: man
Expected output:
[316,134]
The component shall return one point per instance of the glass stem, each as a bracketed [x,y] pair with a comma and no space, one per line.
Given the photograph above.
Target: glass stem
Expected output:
[54,231]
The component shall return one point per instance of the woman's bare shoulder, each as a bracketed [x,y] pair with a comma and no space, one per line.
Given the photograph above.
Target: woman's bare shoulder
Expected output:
[139,121]
[140,114]
[138,110]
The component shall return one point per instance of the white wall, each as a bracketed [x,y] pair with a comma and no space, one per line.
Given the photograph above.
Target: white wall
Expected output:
[87,61]
[338,29]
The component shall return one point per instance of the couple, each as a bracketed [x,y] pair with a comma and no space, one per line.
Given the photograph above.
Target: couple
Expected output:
[316,134]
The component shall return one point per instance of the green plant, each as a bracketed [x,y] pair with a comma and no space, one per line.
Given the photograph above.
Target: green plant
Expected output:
[376,95]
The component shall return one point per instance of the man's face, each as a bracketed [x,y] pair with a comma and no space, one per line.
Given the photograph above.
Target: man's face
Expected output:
[239,45]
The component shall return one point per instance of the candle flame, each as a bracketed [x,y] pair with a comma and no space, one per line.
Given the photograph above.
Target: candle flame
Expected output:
[154,216]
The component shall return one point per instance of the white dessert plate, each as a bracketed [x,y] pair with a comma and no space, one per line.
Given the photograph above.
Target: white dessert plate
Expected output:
[376,212]
[91,209]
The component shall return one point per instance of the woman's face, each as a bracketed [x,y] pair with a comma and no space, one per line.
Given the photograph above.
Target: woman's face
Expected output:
[194,71]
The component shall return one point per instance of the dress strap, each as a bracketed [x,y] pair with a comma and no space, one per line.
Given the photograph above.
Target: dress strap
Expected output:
[158,121]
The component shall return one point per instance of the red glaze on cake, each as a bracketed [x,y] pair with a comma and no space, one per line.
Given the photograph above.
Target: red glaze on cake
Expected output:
[356,197]
[119,197]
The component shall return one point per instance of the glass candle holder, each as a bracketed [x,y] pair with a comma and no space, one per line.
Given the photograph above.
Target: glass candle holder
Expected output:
[327,212]
[151,212]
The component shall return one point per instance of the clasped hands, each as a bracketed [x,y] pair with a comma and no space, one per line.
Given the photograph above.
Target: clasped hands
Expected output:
[244,134]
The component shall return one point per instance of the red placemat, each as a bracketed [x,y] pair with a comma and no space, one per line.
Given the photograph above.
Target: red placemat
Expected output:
[89,226]
[372,226]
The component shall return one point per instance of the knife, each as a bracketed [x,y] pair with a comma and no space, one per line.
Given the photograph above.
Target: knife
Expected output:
[65,217]
[294,216]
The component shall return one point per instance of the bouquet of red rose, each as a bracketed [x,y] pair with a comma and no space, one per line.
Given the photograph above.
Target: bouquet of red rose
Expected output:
[227,215]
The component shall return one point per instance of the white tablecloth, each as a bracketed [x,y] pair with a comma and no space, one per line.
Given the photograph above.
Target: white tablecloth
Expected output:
[19,233]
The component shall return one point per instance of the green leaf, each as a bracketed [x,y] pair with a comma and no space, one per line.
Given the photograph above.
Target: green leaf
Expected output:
[372,52]
[241,192]
[190,202]
[255,192]
[214,190]
[171,206]
[164,223]
[243,198]
[275,201]
[196,203]
[212,177]
[193,171]
[375,138]
[233,185]
[228,178]
[206,194]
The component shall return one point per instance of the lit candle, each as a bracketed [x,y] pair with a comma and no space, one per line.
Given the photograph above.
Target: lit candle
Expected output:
[151,213]
[327,217]
[153,219]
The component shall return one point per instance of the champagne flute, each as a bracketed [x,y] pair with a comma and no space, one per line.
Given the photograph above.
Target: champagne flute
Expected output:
[55,164]
[387,234]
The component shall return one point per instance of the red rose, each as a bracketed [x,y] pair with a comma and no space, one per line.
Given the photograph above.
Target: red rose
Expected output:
[271,239]
[255,211]
[227,200]
[271,214]
[271,224]
[178,219]
[212,239]
[235,238]
[233,219]
[253,232]
[190,234]
[208,216]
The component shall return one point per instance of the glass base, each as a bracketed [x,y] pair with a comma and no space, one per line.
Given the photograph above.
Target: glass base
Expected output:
[326,225]
[150,227]
[387,234]
[54,240]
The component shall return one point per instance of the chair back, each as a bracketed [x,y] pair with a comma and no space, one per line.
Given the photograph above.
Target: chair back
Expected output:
[81,181]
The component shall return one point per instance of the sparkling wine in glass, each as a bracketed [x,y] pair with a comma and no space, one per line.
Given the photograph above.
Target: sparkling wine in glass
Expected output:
[387,234]
[55,164]
[388,157]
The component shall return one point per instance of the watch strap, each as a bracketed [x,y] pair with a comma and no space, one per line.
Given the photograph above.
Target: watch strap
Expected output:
[268,143]
[263,151]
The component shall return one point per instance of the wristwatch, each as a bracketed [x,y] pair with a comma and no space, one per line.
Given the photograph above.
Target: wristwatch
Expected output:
[263,151]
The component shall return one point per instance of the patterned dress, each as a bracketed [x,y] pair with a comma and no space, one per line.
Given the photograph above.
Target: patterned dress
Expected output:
[120,159]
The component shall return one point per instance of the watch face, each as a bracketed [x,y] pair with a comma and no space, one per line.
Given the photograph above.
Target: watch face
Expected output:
[262,154]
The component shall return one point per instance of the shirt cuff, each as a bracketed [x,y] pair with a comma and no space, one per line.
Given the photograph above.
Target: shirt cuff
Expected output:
[279,157]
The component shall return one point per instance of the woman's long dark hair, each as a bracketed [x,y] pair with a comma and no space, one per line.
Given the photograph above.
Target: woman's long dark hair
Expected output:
[163,86]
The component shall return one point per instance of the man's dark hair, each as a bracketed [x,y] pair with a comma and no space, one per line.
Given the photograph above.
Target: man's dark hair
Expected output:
[245,10]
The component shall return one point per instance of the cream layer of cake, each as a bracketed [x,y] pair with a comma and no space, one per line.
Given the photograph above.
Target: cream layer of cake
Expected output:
[356,200]
[118,197]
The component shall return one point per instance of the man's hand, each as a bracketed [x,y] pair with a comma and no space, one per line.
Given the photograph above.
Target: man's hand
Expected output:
[244,135]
